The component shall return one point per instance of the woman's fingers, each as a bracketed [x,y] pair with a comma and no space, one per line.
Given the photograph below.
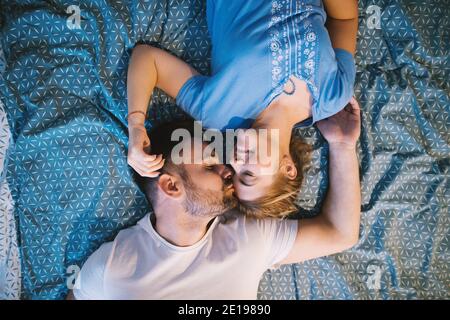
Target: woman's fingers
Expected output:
[158,166]
[148,166]
[147,157]
[141,173]
[138,153]
[156,158]
[149,175]
[144,167]
[139,157]
[152,173]
[152,166]
[137,166]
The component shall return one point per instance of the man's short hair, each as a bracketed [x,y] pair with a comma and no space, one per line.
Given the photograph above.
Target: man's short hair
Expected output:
[161,143]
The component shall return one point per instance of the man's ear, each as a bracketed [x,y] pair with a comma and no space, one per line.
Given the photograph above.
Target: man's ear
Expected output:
[288,168]
[170,185]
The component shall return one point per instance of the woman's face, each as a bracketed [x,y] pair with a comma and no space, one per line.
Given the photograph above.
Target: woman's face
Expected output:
[256,164]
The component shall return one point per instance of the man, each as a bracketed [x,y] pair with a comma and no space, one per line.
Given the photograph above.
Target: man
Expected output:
[190,249]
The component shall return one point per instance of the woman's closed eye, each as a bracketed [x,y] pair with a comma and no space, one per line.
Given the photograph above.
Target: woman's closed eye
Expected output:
[248,174]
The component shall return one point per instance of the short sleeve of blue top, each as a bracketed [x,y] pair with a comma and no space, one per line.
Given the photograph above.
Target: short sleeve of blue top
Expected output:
[256,46]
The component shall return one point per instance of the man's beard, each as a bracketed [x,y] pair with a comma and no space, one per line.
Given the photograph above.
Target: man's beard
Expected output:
[208,203]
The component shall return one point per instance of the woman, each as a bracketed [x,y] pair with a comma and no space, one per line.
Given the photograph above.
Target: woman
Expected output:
[274,66]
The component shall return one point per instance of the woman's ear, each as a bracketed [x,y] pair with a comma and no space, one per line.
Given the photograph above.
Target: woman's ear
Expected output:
[170,185]
[288,168]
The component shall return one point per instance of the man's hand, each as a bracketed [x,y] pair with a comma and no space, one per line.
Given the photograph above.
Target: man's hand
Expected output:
[138,158]
[343,128]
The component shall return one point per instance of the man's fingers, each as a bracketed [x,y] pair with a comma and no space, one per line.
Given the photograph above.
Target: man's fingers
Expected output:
[353,107]
[354,104]
[353,101]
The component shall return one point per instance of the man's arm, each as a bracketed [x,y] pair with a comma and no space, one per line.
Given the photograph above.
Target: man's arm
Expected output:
[336,228]
[342,23]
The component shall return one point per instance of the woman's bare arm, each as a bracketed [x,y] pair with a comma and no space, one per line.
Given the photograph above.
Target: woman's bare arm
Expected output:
[149,68]
[342,23]
[152,67]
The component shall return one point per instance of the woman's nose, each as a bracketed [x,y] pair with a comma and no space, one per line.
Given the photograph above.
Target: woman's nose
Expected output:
[236,166]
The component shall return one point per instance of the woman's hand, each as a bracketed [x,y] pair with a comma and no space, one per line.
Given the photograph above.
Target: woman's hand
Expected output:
[138,153]
[344,127]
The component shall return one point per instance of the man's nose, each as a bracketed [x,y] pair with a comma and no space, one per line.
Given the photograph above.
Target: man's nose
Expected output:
[225,172]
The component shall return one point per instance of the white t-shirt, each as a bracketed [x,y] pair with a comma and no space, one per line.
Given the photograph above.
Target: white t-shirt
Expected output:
[227,263]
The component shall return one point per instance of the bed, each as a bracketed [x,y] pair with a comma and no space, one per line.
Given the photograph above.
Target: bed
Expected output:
[66,186]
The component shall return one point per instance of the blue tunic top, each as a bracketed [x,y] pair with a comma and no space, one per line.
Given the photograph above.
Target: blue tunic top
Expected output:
[256,46]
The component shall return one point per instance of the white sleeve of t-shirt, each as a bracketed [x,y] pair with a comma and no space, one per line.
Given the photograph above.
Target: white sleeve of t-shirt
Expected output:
[278,236]
[89,283]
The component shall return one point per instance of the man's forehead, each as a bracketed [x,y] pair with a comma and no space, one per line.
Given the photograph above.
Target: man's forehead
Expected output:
[192,151]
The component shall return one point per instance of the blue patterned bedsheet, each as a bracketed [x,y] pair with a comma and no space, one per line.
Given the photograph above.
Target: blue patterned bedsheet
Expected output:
[9,251]
[64,93]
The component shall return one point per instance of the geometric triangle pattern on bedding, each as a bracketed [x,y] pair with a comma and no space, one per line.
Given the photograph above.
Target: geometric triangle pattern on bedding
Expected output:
[64,92]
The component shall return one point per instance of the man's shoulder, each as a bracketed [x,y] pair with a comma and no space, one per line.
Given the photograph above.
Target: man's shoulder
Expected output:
[132,235]
[125,243]
[124,237]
